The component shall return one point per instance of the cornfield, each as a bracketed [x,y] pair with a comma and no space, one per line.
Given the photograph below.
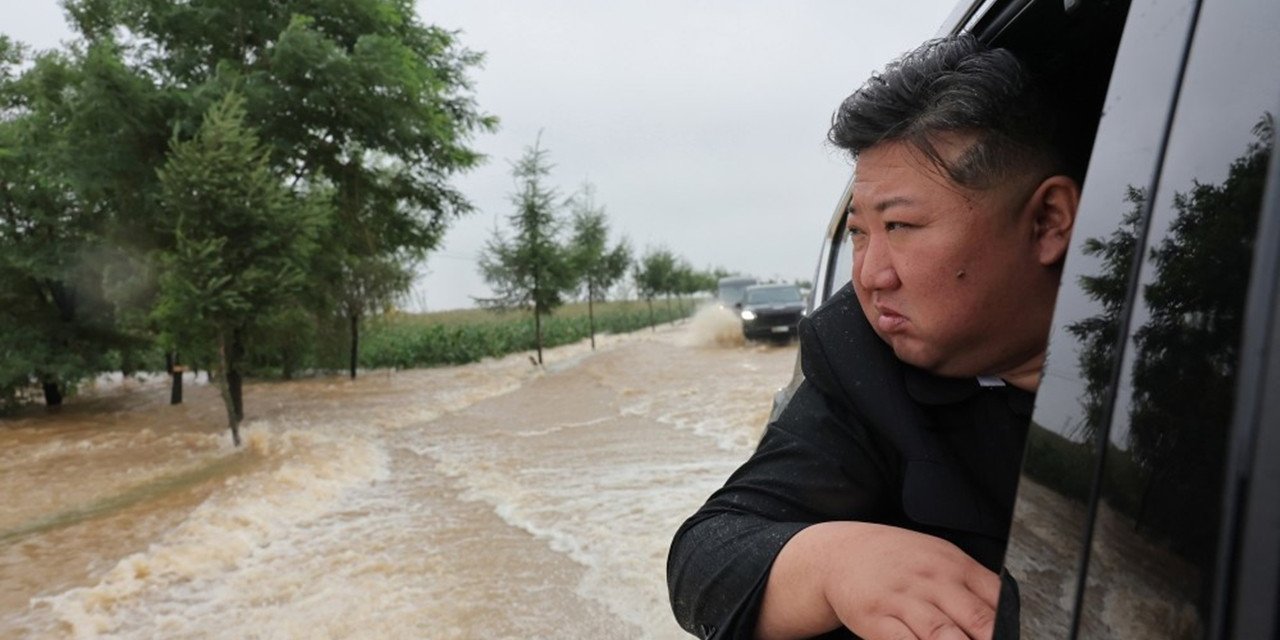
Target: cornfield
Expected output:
[404,340]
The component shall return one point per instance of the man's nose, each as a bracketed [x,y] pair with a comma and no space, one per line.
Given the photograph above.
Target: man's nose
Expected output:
[874,268]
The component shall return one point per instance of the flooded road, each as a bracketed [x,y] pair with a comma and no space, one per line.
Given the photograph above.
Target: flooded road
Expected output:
[494,500]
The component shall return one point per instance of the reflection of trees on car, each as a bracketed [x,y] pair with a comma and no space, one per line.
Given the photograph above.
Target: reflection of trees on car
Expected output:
[1064,461]
[1184,374]
[1097,334]
[1185,354]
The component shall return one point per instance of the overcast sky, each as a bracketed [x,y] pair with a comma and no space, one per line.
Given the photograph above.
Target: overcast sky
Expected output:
[701,123]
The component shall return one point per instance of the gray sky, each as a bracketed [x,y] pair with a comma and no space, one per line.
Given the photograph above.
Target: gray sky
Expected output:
[701,122]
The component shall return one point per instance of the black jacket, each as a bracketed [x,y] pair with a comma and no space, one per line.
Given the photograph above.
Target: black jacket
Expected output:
[865,437]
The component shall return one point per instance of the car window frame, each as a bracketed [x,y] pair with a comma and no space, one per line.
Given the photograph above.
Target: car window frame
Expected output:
[1247,587]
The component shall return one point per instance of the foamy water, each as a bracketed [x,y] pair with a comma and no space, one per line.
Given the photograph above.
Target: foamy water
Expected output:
[489,500]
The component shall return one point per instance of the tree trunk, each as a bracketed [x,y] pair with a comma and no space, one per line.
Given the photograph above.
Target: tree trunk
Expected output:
[233,421]
[175,372]
[52,394]
[537,308]
[175,392]
[652,325]
[355,343]
[591,316]
[235,380]
[537,331]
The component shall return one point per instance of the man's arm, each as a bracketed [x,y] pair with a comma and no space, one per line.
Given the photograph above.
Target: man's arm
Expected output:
[880,582]
[811,466]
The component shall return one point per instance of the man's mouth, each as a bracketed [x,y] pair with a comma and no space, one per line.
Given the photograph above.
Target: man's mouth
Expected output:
[889,320]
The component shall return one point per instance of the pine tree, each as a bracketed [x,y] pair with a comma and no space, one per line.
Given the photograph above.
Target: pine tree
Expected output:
[531,269]
[595,265]
[241,242]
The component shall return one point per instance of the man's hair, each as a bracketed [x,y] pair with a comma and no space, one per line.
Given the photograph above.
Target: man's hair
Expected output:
[956,85]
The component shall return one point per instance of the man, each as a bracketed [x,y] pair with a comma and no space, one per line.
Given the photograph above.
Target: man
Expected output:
[878,503]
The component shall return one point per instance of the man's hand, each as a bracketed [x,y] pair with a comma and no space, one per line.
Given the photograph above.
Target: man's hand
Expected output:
[883,583]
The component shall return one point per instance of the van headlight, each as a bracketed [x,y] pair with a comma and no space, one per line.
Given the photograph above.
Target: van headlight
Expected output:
[748,315]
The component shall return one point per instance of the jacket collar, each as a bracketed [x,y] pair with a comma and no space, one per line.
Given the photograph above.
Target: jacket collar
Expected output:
[929,389]
[926,388]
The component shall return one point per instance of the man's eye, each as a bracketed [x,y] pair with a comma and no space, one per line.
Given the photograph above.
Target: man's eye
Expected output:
[854,234]
[894,226]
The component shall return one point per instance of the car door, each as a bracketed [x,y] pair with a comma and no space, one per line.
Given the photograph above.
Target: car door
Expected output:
[1124,527]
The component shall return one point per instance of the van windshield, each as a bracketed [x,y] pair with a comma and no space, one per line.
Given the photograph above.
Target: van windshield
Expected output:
[773,294]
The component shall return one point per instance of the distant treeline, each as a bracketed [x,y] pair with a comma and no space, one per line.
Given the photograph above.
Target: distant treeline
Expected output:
[544,257]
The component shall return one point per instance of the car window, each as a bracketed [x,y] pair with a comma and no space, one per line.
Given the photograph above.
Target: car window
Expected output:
[1154,546]
[1051,514]
[842,271]
[773,294]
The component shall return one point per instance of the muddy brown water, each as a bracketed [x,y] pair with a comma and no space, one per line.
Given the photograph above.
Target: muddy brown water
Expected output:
[493,500]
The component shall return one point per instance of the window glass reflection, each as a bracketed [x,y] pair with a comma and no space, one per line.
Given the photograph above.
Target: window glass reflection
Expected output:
[842,271]
[1048,532]
[1157,523]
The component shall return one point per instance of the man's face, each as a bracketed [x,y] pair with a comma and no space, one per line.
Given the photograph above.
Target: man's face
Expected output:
[951,278]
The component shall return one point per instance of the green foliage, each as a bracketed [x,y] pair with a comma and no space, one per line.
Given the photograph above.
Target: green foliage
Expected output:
[597,266]
[689,281]
[403,341]
[361,110]
[354,95]
[661,272]
[532,269]
[54,317]
[359,94]
[656,273]
[241,240]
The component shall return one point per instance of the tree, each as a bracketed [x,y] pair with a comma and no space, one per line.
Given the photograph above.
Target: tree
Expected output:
[359,97]
[654,275]
[241,243]
[369,285]
[55,321]
[689,281]
[595,266]
[532,269]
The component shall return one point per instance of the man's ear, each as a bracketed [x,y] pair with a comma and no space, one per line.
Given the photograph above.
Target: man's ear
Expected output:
[1053,210]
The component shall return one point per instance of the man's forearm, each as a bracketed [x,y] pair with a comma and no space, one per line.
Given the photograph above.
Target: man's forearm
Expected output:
[879,581]
[795,603]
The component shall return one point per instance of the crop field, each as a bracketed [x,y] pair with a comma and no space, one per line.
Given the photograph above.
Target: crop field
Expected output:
[404,340]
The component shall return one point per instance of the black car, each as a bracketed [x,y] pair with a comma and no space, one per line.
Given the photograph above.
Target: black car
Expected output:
[771,311]
[1149,501]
